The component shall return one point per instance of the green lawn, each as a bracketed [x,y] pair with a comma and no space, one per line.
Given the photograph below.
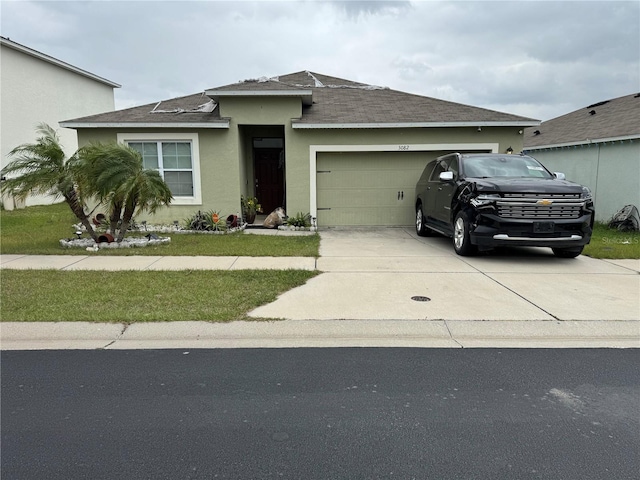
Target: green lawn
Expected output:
[608,243]
[38,230]
[132,296]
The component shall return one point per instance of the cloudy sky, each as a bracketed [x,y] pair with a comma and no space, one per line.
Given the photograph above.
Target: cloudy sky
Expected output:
[538,59]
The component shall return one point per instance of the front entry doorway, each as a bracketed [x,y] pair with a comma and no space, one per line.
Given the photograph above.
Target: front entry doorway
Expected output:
[269,172]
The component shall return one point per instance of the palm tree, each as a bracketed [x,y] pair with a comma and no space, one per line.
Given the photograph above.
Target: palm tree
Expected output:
[114,173]
[42,168]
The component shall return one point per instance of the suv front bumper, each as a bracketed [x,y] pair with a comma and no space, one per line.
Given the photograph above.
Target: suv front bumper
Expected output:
[493,231]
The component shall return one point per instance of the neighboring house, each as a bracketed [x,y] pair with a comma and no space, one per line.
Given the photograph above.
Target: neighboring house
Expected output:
[345,152]
[37,88]
[597,146]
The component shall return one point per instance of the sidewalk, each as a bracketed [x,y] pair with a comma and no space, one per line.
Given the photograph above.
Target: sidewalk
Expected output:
[90,262]
[367,296]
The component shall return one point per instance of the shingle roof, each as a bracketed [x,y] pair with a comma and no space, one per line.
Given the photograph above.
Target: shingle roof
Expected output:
[337,103]
[618,118]
[186,111]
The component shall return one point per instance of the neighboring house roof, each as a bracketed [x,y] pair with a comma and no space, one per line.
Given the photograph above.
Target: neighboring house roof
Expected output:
[328,102]
[610,120]
[6,42]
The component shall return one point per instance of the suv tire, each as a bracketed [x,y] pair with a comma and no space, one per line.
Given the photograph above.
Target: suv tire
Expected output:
[461,238]
[421,228]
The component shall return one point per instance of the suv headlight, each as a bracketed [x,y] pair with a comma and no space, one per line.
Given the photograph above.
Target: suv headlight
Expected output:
[483,200]
[586,193]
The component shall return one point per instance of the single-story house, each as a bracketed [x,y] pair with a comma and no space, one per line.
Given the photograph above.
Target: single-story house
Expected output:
[37,88]
[346,152]
[597,146]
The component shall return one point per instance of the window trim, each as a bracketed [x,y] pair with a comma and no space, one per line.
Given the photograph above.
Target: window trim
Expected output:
[193,138]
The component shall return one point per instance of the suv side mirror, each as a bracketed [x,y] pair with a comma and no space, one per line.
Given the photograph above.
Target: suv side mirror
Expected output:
[559,175]
[446,176]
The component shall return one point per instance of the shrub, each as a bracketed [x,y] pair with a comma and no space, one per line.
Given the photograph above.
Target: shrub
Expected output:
[300,220]
[210,221]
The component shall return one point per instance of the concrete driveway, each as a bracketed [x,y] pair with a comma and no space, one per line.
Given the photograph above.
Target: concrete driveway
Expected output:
[375,274]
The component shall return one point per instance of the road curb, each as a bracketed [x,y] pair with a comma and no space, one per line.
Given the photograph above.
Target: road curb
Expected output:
[321,333]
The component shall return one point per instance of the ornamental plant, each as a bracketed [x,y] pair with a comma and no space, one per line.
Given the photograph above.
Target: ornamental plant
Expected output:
[300,220]
[250,205]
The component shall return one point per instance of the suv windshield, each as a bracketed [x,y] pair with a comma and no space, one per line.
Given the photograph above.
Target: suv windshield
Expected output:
[503,166]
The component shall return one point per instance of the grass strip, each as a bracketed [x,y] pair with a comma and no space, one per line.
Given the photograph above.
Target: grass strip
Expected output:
[613,244]
[132,296]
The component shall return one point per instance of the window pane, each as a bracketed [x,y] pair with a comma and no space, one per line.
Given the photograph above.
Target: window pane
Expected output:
[169,162]
[184,163]
[169,149]
[150,149]
[183,149]
[180,183]
[176,155]
[149,152]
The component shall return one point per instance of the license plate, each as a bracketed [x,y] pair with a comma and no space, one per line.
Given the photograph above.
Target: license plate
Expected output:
[543,227]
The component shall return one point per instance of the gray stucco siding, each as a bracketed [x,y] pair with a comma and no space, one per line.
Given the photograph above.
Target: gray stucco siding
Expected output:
[612,172]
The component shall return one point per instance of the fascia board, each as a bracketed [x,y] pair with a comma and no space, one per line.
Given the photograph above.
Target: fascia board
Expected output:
[143,125]
[46,58]
[587,141]
[309,126]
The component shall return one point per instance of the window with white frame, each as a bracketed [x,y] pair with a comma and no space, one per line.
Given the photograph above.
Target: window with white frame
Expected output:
[176,155]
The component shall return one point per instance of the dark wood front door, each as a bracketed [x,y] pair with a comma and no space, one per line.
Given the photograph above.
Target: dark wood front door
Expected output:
[269,178]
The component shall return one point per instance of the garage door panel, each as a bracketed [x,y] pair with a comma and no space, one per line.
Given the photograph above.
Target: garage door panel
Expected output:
[358,197]
[362,188]
[362,216]
[337,180]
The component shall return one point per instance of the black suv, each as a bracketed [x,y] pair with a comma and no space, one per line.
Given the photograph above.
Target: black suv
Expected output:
[490,200]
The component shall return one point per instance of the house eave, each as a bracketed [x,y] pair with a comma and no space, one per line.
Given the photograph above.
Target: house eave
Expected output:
[305,95]
[174,125]
[309,126]
[587,141]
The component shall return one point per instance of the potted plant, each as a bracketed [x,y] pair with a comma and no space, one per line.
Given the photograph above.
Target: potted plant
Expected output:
[250,207]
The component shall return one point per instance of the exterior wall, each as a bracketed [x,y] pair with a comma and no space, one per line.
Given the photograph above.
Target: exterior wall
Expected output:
[35,91]
[612,172]
[299,144]
[226,164]
[219,170]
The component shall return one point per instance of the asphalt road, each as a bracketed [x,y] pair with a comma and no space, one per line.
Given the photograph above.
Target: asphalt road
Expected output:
[321,414]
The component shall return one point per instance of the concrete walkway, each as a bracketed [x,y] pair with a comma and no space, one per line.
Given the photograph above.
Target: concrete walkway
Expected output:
[382,287]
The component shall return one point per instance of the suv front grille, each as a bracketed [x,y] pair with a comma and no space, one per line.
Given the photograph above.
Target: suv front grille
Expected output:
[541,196]
[540,206]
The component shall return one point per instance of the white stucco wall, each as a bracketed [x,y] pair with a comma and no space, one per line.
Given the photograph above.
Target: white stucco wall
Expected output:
[33,91]
[611,171]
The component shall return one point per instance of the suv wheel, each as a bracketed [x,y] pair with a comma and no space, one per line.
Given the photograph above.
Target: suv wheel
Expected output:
[567,252]
[421,229]
[461,238]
